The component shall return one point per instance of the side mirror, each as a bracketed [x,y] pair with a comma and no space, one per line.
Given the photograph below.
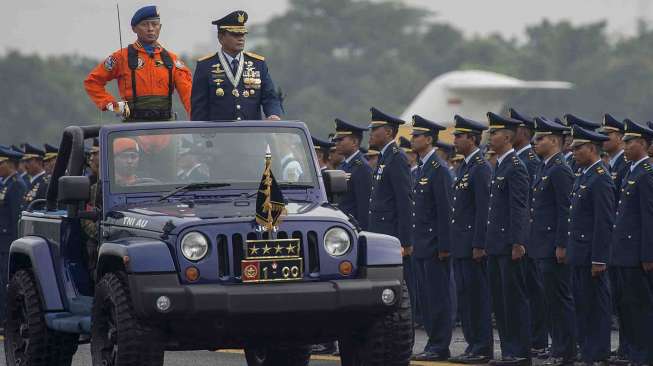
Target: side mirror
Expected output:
[74,189]
[335,182]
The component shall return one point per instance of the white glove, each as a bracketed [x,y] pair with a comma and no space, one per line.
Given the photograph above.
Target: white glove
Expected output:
[121,109]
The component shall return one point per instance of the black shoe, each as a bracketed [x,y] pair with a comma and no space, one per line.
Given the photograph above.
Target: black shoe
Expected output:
[511,361]
[558,361]
[539,353]
[619,360]
[470,359]
[323,349]
[595,363]
[430,356]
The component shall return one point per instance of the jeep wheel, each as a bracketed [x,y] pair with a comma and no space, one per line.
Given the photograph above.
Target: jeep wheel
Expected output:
[387,341]
[118,337]
[28,341]
[286,356]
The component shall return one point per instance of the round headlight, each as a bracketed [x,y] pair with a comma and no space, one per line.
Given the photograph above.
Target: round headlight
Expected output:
[336,242]
[194,246]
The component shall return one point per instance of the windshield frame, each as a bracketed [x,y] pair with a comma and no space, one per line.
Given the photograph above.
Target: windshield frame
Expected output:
[108,133]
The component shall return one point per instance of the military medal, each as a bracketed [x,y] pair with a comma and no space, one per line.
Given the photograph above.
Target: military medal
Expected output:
[251,92]
[235,93]
[234,79]
[219,92]
[245,94]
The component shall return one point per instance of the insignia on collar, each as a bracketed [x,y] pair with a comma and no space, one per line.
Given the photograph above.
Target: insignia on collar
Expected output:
[631,182]
[600,170]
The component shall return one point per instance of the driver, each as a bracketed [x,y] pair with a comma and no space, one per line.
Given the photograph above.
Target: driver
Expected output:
[126,160]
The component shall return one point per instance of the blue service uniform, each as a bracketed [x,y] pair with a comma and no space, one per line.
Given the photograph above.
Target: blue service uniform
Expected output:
[618,170]
[214,98]
[36,189]
[431,206]
[550,198]
[468,227]
[632,244]
[590,231]
[537,301]
[11,199]
[508,225]
[356,202]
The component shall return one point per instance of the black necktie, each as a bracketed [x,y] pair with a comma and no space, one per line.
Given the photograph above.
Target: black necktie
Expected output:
[234,66]
[419,167]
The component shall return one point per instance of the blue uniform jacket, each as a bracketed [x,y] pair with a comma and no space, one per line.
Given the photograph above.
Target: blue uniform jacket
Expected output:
[617,173]
[431,207]
[11,199]
[356,202]
[508,212]
[633,234]
[591,217]
[207,105]
[532,162]
[36,190]
[469,210]
[390,208]
[550,208]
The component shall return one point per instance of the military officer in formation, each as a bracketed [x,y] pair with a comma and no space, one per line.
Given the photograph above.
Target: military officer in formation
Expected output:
[356,202]
[550,198]
[322,148]
[631,257]
[233,84]
[11,199]
[50,158]
[38,179]
[432,187]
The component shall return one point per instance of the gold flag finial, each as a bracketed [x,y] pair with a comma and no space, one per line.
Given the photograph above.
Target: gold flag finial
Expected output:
[270,204]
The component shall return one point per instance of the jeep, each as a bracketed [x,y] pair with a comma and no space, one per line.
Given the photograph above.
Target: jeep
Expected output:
[183,263]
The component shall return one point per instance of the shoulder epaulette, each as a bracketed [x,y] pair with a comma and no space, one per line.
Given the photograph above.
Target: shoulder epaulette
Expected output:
[647,167]
[435,164]
[207,56]
[254,55]
[531,155]
[395,149]
[515,160]
[358,162]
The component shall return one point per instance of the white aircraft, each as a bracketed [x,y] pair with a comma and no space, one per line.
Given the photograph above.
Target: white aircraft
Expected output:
[470,94]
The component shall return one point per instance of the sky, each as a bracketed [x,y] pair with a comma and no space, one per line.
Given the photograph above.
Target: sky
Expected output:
[89,27]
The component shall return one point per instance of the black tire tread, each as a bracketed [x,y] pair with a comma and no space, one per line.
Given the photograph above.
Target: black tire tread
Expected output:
[47,347]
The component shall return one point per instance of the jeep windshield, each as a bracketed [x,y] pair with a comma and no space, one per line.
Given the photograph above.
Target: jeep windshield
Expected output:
[165,160]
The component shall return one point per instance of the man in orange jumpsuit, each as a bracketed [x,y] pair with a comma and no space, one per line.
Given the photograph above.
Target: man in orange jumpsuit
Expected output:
[147,75]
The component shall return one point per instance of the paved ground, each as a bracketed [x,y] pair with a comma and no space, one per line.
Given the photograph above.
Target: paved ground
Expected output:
[236,357]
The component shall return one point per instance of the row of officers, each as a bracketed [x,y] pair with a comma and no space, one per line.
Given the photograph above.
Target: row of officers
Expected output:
[550,238]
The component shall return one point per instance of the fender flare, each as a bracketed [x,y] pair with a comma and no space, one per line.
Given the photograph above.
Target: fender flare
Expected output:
[135,255]
[37,251]
[378,249]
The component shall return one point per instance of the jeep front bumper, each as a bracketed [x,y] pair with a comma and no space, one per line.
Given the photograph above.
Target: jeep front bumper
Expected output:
[217,300]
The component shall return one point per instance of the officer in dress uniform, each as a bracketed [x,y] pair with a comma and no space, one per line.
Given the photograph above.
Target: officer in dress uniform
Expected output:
[631,258]
[390,208]
[614,129]
[22,174]
[11,196]
[233,84]
[524,150]
[431,206]
[147,75]
[506,240]
[550,196]
[571,120]
[50,158]
[356,202]
[411,156]
[468,228]
[38,179]
[322,151]
[591,218]
[372,156]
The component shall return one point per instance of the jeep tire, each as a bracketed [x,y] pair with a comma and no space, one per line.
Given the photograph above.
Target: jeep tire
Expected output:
[118,337]
[278,356]
[28,341]
[386,341]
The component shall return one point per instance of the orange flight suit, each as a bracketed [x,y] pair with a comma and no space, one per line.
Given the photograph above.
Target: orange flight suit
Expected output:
[151,77]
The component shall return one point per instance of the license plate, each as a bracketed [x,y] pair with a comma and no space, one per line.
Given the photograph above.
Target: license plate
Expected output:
[272,270]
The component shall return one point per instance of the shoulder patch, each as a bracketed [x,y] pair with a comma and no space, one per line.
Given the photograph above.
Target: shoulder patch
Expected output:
[254,55]
[207,56]
[109,63]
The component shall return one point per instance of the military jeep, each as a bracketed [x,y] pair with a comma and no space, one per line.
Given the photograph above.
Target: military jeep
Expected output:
[183,263]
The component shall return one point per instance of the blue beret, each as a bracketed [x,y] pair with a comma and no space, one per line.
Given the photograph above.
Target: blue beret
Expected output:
[143,13]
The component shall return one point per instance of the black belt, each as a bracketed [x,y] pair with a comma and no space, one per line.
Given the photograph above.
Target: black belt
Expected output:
[150,115]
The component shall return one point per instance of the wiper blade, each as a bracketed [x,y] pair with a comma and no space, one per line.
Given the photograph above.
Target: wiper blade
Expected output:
[295,185]
[198,185]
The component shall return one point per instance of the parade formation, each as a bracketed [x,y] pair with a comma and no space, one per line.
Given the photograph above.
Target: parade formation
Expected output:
[251,233]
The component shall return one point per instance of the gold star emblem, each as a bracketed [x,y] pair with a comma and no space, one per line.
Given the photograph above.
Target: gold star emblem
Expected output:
[253,250]
[278,249]
[266,249]
[290,248]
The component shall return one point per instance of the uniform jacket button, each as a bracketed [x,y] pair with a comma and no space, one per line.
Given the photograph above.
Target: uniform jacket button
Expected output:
[238,119]
[237,106]
[430,229]
[413,225]
[568,233]
[629,236]
[488,222]
[453,221]
[469,226]
[582,235]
